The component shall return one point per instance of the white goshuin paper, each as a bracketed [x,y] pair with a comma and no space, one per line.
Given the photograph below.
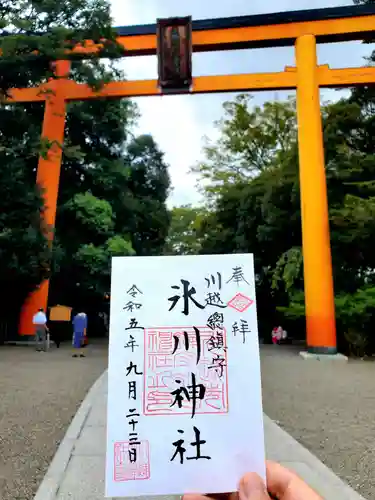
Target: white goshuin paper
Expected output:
[230,419]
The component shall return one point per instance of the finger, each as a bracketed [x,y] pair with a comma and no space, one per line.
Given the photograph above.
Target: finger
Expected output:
[224,496]
[212,496]
[286,485]
[252,487]
[194,497]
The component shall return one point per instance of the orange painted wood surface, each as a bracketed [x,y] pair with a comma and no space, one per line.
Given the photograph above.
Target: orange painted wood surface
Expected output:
[48,178]
[317,260]
[229,38]
[286,80]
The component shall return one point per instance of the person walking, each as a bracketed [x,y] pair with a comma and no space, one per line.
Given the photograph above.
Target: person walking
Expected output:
[79,334]
[278,334]
[41,330]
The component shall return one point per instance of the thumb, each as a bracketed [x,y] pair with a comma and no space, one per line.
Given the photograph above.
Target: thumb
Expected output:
[252,488]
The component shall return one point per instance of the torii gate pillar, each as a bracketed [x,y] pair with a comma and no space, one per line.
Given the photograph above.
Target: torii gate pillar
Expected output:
[319,292]
[48,178]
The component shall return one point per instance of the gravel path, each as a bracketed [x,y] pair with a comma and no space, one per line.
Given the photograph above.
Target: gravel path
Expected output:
[329,407]
[39,395]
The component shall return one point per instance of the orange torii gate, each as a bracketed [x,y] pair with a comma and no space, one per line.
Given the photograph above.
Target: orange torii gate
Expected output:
[304,29]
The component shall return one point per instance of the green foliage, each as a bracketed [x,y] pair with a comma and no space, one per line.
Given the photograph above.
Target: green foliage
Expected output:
[33,33]
[185,233]
[113,186]
[117,246]
[288,270]
[90,213]
[355,315]
[24,252]
[250,141]
[251,181]
[111,203]
[92,259]
[92,264]
[296,307]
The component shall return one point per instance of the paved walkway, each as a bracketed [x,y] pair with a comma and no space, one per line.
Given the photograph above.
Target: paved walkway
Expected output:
[328,407]
[40,394]
[77,471]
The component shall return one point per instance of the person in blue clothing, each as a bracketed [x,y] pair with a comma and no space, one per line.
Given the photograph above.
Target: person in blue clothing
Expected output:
[79,333]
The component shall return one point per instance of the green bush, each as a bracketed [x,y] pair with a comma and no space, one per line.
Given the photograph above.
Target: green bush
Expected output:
[355,316]
[356,321]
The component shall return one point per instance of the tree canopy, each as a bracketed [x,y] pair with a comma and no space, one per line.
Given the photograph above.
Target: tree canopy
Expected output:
[251,140]
[186,231]
[114,184]
[251,181]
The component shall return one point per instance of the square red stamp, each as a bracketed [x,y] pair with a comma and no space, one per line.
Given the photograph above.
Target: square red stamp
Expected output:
[131,461]
[185,371]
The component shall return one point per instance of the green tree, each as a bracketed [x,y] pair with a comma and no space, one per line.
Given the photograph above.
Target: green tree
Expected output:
[117,205]
[33,33]
[113,186]
[250,140]
[24,252]
[149,185]
[186,232]
[262,215]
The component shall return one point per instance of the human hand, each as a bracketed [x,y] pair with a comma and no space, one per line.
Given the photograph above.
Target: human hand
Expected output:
[282,484]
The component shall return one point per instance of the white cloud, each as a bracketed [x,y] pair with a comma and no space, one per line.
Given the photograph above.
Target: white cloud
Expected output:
[178,123]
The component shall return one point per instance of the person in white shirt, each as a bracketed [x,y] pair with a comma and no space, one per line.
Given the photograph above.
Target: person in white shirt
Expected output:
[40,323]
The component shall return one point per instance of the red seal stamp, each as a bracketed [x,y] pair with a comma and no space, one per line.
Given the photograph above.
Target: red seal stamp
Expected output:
[172,356]
[240,302]
[131,461]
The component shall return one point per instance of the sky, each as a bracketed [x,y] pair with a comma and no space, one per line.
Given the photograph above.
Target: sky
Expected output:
[182,144]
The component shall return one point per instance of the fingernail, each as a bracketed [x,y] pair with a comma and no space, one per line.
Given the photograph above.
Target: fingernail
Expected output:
[250,484]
